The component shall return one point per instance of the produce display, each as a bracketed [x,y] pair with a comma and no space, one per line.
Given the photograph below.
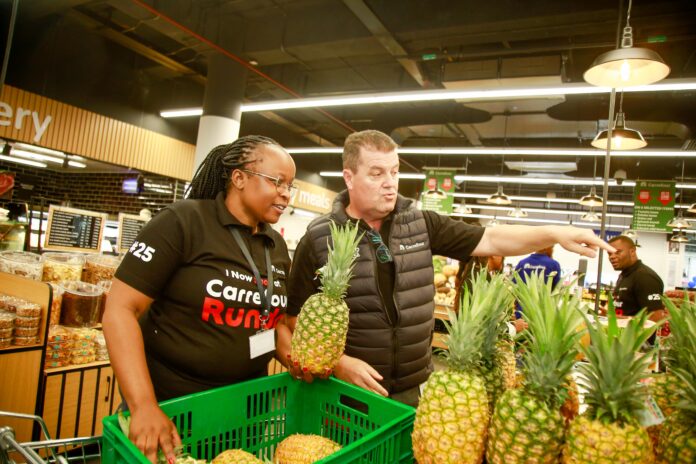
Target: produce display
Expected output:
[677,438]
[452,418]
[304,449]
[528,424]
[320,333]
[444,280]
[609,431]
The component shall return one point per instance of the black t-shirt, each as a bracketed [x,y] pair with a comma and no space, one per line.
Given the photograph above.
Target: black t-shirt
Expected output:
[638,287]
[448,237]
[206,301]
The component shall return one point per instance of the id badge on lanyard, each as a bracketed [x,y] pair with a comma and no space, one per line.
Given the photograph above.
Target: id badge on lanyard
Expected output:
[264,341]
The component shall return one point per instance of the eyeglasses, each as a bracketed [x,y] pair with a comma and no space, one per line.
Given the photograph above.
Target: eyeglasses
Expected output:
[281,187]
[383,253]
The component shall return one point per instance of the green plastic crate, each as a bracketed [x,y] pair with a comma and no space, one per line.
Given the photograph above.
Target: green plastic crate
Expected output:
[258,414]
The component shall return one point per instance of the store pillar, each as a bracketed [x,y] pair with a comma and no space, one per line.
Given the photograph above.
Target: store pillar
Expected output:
[222,106]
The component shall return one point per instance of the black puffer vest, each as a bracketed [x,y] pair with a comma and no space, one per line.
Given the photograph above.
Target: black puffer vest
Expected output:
[399,350]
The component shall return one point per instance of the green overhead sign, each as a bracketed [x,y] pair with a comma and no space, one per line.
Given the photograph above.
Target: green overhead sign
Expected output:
[653,205]
[437,191]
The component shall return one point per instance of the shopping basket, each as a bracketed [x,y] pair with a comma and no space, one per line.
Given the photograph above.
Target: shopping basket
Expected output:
[84,450]
[258,414]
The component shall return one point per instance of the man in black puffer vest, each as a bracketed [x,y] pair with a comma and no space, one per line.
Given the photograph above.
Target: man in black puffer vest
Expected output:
[391,293]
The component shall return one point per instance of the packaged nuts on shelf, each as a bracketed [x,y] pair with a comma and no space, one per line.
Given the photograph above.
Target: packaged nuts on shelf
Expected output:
[25,341]
[21,321]
[99,268]
[22,263]
[62,266]
[28,309]
[9,303]
[81,303]
[26,331]
[56,302]
[7,319]
[6,333]
[5,342]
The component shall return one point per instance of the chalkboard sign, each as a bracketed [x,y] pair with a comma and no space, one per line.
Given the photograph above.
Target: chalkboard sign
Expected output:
[129,226]
[71,229]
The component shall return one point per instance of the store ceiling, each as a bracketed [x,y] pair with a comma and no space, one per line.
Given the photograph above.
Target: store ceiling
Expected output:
[122,58]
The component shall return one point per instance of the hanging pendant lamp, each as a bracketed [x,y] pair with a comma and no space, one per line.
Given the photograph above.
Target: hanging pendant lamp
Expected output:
[517,213]
[679,237]
[499,197]
[592,200]
[630,233]
[622,138]
[679,222]
[627,66]
[463,208]
[692,208]
[590,216]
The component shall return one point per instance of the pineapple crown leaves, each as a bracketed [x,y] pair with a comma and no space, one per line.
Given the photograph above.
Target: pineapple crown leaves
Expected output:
[682,320]
[551,339]
[338,270]
[615,368]
[473,334]
[686,372]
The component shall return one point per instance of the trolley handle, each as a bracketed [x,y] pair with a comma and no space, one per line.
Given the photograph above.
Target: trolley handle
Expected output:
[8,443]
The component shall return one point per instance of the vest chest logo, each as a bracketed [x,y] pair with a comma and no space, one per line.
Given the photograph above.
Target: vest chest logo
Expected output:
[411,246]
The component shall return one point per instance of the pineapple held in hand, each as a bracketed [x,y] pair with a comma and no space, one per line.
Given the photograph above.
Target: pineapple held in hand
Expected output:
[609,431]
[322,325]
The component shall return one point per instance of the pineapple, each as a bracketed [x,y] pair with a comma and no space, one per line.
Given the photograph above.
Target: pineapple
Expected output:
[304,449]
[236,456]
[528,424]
[320,333]
[677,443]
[452,417]
[609,432]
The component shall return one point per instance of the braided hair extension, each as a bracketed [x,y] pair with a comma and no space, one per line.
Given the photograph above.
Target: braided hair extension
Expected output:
[213,175]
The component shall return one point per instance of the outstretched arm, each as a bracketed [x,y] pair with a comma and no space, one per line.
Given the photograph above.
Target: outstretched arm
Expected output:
[513,240]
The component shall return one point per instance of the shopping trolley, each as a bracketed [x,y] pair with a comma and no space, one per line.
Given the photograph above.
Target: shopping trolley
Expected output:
[85,450]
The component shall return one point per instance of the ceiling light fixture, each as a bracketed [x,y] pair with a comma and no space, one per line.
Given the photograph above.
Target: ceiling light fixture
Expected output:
[592,200]
[26,162]
[673,85]
[692,208]
[35,156]
[622,138]
[630,233]
[518,213]
[679,222]
[679,237]
[591,216]
[181,112]
[560,152]
[627,66]
[37,149]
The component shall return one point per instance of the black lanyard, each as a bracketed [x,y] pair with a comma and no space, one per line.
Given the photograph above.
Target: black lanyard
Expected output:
[267,294]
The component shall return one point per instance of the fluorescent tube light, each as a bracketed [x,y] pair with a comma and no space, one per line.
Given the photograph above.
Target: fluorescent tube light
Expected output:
[462,95]
[439,151]
[181,113]
[76,164]
[35,149]
[473,94]
[27,162]
[35,156]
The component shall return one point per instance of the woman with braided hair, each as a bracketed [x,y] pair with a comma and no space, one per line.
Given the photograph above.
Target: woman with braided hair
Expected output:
[195,302]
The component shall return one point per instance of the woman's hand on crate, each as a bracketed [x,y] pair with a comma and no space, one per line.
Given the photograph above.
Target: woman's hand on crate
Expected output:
[151,430]
[360,373]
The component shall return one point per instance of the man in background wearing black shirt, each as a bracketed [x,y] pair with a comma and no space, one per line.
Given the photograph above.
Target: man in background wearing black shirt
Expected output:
[638,286]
